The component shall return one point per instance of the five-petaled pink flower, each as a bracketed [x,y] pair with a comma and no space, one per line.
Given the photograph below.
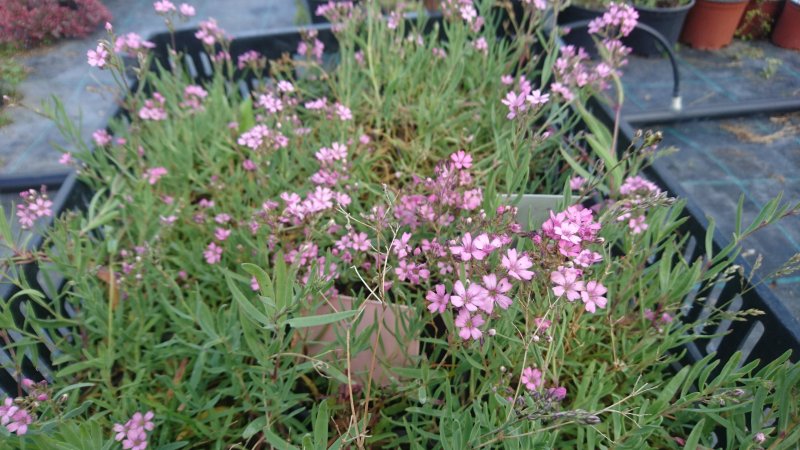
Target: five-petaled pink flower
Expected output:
[494,291]
[566,282]
[471,297]
[531,378]
[438,298]
[468,325]
[592,296]
[461,159]
[517,265]
[98,57]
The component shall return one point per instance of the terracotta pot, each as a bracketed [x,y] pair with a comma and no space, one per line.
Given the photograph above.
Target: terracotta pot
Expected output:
[787,29]
[759,18]
[711,24]
[392,347]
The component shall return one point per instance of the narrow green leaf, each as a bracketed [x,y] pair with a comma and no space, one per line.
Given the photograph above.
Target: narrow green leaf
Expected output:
[324,319]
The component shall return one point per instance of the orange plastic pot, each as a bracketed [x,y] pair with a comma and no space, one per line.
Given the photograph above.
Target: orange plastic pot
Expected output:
[711,24]
[787,30]
[759,18]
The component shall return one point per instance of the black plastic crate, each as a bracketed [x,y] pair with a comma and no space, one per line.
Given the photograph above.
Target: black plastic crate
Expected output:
[765,337]
[67,193]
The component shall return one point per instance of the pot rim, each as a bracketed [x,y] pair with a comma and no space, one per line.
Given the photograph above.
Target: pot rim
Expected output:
[658,9]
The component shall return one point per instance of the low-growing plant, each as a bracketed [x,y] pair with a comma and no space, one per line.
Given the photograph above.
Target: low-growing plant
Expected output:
[225,228]
[31,22]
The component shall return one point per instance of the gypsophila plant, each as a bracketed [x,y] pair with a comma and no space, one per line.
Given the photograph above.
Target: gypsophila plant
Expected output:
[336,260]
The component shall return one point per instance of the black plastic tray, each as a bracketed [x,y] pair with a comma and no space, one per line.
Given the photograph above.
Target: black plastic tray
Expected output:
[765,337]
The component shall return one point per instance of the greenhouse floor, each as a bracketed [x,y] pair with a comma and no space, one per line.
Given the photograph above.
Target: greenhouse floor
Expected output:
[720,159]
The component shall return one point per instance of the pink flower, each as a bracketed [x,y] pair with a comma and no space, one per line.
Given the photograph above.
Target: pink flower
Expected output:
[65,159]
[507,80]
[494,292]
[531,378]
[470,298]
[254,284]
[343,112]
[468,325]
[121,431]
[163,6]
[576,183]
[517,265]
[101,138]
[587,258]
[19,421]
[542,324]
[136,439]
[557,393]
[249,165]
[516,104]
[592,296]
[97,57]
[222,218]
[221,234]
[187,10]
[566,282]
[213,253]
[481,45]
[439,53]
[143,421]
[637,224]
[536,98]
[438,298]
[461,159]
[360,242]
[154,174]
[467,249]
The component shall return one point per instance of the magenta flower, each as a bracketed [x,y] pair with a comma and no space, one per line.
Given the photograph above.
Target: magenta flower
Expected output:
[531,378]
[557,393]
[471,298]
[213,253]
[438,298]
[468,325]
[517,265]
[592,296]
[566,282]
[221,234]
[495,292]
[360,242]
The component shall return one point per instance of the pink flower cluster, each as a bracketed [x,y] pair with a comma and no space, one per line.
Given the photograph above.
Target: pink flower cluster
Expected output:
[635,191]
[15,418]
[618,16]
[35,206]
[337,12]
[310,41]
[193,97]
[260,137]
[465,9]
[131,44]
[101,137]
[564,239]
[519,103]
[210,33]
[153,109]
[133,434]
[251,59]
[333,165]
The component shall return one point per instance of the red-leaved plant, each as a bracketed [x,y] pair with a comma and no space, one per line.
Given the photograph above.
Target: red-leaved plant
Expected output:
[31,22]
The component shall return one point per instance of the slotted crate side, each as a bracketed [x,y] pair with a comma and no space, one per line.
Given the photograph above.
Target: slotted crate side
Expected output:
[71,194]
[764,337]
